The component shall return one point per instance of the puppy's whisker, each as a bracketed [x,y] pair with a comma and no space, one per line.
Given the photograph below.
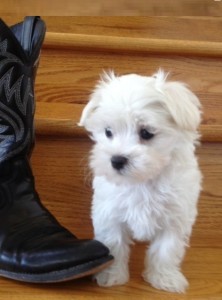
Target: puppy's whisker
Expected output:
[84,160]
[88,177]
[87,173]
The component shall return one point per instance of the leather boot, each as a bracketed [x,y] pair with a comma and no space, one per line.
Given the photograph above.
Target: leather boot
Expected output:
[34,247]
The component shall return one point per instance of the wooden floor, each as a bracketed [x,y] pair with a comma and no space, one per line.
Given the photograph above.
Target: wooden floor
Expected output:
[65,79]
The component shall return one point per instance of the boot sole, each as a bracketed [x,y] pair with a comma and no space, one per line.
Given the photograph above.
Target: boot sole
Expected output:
[76,272]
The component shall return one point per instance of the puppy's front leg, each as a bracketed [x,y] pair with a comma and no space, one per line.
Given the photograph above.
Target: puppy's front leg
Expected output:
[117,240]
[162,264]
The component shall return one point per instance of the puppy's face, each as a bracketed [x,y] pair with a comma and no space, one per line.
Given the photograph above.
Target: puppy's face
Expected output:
[138,124]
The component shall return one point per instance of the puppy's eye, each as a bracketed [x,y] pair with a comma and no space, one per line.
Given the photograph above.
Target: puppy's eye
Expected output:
[108,133]
[145,134]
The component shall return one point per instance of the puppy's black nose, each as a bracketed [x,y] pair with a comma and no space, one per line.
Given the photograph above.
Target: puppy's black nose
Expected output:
[118,162]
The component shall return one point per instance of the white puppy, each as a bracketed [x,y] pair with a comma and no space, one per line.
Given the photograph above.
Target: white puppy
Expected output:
[146,176]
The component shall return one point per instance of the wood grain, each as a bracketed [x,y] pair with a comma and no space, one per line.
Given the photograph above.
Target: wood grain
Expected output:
[115,7]
[130,45]
[176,28]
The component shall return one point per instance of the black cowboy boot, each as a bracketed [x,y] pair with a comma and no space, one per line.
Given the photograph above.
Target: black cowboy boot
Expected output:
[34,247]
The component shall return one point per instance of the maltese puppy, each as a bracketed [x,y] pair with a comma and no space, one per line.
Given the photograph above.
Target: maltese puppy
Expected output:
[146,176]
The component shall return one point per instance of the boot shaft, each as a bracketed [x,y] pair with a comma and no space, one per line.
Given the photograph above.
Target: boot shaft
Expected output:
[20,47]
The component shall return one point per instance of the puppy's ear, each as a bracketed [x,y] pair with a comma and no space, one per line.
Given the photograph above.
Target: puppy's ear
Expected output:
[182,104]
[105,78]
[89,109]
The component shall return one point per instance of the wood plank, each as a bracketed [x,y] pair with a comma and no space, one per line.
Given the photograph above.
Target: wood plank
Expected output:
[100,43]
[115,7]
[135,27]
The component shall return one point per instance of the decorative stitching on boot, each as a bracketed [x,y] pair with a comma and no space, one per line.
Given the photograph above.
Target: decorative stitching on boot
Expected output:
[13,110]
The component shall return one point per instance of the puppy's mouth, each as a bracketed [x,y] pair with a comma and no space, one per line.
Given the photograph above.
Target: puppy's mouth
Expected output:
[124,167]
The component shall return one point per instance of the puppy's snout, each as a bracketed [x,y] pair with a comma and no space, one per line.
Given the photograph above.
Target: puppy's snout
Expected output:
[118,162]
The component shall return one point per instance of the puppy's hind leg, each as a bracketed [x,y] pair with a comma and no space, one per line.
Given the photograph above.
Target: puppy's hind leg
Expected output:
[117,240]
[162,264]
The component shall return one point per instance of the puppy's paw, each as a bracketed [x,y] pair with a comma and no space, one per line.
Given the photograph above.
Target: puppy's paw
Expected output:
[171,281]
[110,277]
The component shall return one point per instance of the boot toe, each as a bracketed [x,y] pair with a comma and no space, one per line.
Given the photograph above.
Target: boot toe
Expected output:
[65,255]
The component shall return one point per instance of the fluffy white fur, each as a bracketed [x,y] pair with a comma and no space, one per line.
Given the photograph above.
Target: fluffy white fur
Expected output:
[154,196]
